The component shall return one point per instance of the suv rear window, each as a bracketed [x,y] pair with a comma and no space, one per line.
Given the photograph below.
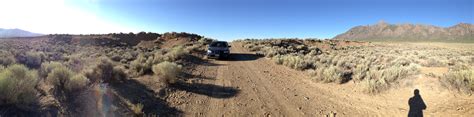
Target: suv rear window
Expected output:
[219,44]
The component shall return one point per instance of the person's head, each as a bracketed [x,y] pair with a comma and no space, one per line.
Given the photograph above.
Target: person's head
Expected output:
[416,92]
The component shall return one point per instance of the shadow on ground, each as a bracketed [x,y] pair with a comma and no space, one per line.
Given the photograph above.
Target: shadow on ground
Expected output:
[188,76]
[210,90]
[12,111]
[136,93]
[199,61]
[417,105]
[241,57]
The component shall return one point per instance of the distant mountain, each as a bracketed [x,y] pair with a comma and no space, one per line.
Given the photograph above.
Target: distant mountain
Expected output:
[7,33]
[462,32]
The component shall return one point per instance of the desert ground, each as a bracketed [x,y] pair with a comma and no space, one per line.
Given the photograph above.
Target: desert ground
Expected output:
[247,85]
[169,75]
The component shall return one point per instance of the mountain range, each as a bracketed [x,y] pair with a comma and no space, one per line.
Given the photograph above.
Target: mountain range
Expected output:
[382,31]
[8,33]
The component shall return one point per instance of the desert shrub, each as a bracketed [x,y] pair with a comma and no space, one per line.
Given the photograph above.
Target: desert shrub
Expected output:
[432,62]
[270,52]
[7,60]
[104,71]
[373,86]
[127,56]
[158,57]
[330,74]
[140,66]
[194,48]
[206,41]
[458,67]
[462,80]
[312,72]
[167,71]
[175,53]
[77,83]
[119,73]
[76,63]
[333,74]
[377,80]
[137,109]
[47,67]
[360,72]
[400,61]
[17,86]
[295,62]
[59,77]
[394,73]
[116,58]
[277,59]
[33,59]
[256,48]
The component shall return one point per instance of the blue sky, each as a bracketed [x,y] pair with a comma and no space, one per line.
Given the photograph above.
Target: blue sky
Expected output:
[236,19]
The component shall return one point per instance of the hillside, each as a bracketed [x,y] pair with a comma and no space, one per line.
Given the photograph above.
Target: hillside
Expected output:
[382,31]
[6,33]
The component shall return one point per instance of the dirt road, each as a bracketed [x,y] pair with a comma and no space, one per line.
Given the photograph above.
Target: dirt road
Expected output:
[246,85]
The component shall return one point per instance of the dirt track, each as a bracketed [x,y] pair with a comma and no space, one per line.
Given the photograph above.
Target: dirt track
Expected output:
[246,85]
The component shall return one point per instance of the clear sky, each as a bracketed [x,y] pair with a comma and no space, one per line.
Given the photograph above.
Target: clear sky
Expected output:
[227,19]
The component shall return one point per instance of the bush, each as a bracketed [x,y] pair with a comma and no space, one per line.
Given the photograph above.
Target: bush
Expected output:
[63,78]
[140,66]
[59,77]
[360,72]
[119,74]
[462,80]
[47,67]
[33,59]
[7,60]
[175,53]
[105,71]
[116,58]
[277,59]
[295,62]
[137,109]
[331,74]
[432,62]
[395,73]
[167,71]
[377,80]
[77,83]
[373,86]
[17,86]
[76,63]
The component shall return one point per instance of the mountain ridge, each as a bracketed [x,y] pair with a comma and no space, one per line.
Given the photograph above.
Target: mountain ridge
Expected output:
[9,33]
[382,31]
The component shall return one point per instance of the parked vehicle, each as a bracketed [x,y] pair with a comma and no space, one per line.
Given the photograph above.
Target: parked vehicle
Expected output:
[218,49]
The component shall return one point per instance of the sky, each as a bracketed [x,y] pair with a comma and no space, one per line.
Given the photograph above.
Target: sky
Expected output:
[227,19]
